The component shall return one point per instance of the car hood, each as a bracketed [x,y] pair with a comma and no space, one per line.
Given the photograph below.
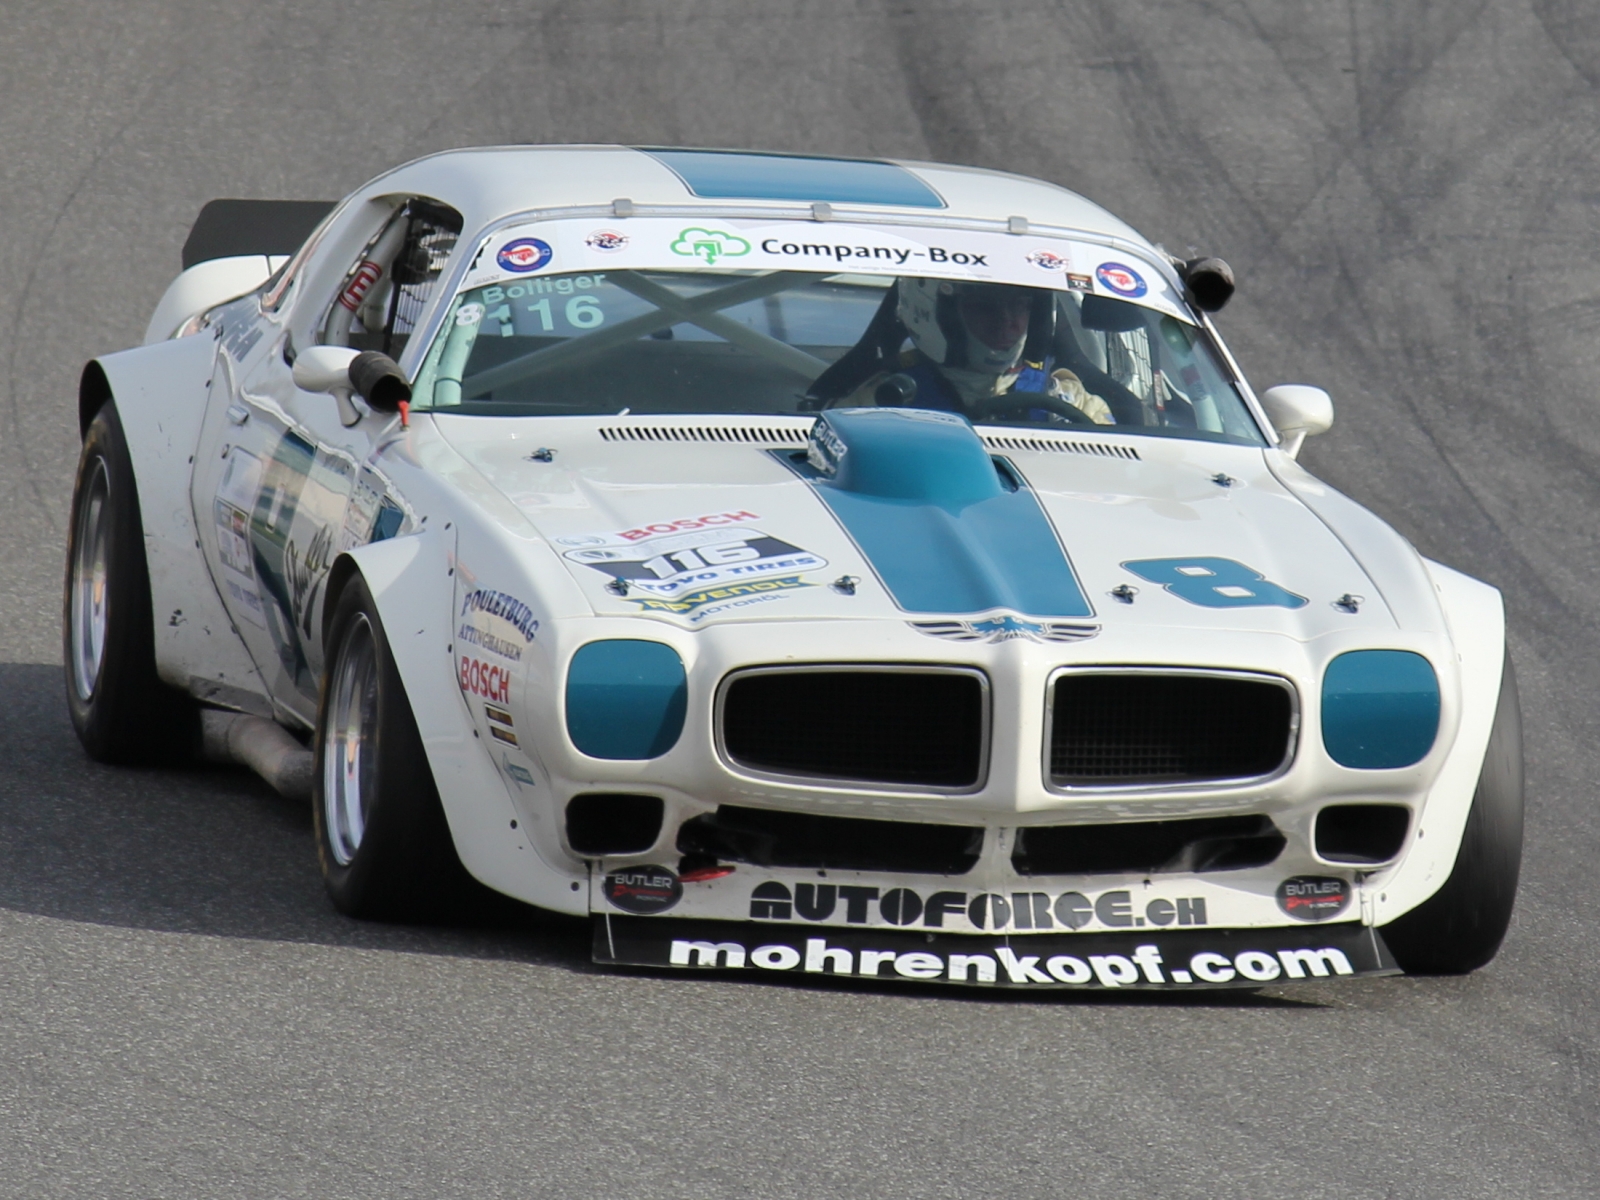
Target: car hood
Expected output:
[1082,531]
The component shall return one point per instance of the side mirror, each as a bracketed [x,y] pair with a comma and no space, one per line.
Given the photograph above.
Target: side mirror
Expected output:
[1297,411]
[340,370]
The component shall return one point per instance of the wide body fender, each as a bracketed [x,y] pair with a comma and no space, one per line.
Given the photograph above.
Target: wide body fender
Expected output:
[411,582]
[161,392]
[1475,614]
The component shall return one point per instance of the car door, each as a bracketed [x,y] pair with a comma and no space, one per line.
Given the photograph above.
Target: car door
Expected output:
[289,487]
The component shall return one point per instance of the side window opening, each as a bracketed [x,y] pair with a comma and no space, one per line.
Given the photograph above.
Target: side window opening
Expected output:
[384,293]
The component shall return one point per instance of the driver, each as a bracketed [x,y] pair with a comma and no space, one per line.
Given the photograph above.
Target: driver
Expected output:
[967,343]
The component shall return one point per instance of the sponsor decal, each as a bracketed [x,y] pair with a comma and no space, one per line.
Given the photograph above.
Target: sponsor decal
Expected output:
[1123,280]
[1313,897]
[898,255]
[1187,959]
[507,608]
[671,566]
[606,240]
[485,680]
[1048,260]
[239,340]
[643,890]
[902,906]
[761,589]
[523,256]
[1005,628]
[474,636]
[1080,283]
[365,275]
[710,245]
[517,771]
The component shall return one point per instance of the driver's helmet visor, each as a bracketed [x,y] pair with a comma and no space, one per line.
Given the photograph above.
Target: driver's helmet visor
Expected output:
[994,315]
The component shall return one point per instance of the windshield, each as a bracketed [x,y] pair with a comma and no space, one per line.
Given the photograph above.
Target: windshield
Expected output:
[655,342]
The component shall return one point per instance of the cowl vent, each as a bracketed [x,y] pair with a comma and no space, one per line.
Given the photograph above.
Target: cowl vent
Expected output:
[996,441]
[742,435]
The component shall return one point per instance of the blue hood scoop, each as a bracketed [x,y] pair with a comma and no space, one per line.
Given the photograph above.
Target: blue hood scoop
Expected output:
[931,511]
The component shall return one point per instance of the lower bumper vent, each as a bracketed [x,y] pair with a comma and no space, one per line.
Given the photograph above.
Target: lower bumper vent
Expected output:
[783,839]
[1148,847]
[905,728]
[1144,728]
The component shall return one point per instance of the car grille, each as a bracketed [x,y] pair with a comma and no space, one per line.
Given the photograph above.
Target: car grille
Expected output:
[783,839]
[1138,727]
[919,728]
[1136,847]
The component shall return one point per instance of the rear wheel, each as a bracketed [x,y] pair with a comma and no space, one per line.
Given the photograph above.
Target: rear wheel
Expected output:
[1460,927]
[121,710]
[382,839]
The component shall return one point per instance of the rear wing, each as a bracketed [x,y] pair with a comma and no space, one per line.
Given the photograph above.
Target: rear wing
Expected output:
[235,228]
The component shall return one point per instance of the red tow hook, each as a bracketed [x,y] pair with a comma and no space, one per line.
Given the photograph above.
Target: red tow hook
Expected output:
[405,414]
[702,874]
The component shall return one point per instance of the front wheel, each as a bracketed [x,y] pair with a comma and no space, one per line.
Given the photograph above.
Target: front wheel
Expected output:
[1460,927]
[382,839]
[121,710]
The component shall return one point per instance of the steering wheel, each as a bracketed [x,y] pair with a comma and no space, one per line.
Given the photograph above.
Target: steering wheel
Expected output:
[1018,403]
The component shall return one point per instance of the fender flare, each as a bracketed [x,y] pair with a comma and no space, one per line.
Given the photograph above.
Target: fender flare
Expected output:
[409,578]
[161,394]
[1475,613]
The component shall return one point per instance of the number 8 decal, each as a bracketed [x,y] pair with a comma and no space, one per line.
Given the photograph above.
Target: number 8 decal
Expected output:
[1215,583]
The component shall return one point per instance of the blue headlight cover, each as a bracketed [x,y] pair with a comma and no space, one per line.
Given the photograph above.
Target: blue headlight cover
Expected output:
[626,699]
[1380,709]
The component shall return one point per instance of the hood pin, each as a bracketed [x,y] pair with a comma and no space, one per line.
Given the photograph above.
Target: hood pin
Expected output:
[845,585]
[1125,592]
[542,454]
[1223,479]
[618,587]
[1348,603]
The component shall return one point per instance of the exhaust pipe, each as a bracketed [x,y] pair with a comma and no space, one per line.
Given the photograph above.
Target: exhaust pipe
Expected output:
[264,746]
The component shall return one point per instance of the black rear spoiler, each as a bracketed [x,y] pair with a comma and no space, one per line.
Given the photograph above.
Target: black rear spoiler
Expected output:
[231,228]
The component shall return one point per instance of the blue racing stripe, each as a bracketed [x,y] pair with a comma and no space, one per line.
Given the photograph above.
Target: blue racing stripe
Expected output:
[732,175]
[920,496]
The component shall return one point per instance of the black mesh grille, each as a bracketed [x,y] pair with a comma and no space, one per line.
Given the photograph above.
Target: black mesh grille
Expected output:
[1139,847]
[918,728]
[1134,728]
[783,839]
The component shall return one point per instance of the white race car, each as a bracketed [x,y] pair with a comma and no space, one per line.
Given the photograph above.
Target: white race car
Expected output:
[799,564]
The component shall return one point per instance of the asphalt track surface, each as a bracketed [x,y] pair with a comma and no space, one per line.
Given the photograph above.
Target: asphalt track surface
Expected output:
[1410,194]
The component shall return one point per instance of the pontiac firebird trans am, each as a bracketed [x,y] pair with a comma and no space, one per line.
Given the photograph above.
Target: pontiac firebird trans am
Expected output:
[798,564]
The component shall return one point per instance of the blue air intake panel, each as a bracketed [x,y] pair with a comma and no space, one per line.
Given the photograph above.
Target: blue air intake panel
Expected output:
[626,699]
[924,501]
[1380,709]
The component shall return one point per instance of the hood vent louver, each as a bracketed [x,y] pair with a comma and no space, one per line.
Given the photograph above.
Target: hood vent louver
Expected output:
[739,435]
[1058,446]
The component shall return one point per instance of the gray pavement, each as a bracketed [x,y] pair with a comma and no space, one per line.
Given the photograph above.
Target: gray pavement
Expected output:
[1410,193]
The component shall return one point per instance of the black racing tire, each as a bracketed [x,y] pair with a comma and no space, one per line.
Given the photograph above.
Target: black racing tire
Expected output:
[121,710]
[382,839]
[1460,927]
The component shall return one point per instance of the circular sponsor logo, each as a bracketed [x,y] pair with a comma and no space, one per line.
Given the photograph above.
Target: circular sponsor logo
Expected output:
[1124,281]
[1313,897]
[643,890]
[524,256]
[1047,260]
[606,239]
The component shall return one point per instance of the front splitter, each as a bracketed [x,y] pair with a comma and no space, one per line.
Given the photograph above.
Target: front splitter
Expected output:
[1180,960]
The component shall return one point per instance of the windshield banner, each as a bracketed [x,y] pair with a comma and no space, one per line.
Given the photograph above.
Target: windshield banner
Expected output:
[590,246]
